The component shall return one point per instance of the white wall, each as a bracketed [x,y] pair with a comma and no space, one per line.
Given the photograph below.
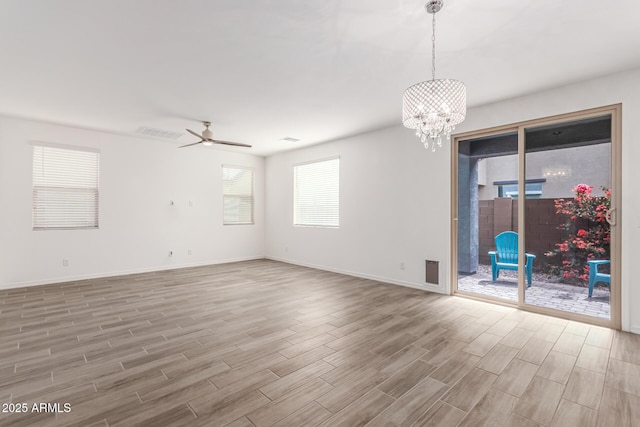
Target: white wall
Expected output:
[393,209]
[138,227]
[395,196]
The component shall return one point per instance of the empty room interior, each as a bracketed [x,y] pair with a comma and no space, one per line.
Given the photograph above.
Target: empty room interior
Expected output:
[336,213]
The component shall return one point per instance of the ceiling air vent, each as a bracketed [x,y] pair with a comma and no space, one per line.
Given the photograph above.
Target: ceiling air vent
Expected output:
[158,133]
[289,139]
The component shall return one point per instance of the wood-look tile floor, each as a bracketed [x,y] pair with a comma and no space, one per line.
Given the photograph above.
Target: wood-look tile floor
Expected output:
[263,343]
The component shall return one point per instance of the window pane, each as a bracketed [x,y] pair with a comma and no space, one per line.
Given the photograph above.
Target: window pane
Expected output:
[317,194]
[237,195]
[65,188]
[533,191]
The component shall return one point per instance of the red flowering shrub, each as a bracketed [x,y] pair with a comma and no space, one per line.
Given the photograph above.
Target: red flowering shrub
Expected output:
[587,230]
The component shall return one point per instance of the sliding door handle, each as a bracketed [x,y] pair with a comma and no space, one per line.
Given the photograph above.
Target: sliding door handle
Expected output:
[609,216]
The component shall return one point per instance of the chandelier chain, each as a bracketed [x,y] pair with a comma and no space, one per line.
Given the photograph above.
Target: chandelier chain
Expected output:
[433,48]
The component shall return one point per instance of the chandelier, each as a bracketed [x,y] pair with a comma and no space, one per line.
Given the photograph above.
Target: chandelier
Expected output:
[434,107]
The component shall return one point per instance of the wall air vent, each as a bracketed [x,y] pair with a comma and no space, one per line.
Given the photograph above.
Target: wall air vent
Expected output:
[158,133]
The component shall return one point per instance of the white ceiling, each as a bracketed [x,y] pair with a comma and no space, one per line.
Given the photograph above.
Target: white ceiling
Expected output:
[315,70]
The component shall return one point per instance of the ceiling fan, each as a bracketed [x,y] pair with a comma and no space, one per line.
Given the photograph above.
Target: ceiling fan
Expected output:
[206,138]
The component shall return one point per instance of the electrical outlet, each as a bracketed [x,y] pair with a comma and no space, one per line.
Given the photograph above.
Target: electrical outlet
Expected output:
[170,253]
[190,203]
[402,266]
[65,262]
[189,252]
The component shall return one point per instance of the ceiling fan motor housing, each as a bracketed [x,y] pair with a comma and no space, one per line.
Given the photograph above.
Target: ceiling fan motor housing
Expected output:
[207,134]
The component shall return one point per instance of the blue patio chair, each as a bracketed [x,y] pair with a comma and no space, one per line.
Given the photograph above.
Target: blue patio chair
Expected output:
[595,276]
[505,257]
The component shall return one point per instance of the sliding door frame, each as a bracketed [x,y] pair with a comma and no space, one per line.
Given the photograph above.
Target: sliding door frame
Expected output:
[615,111]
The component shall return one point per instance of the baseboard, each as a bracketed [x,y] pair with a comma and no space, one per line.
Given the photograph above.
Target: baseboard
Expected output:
[64,279]
[634,329]
[423,287]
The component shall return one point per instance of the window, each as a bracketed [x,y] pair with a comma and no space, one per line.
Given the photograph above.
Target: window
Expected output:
[533,188]
[237,195]
[65,188]
[316,198]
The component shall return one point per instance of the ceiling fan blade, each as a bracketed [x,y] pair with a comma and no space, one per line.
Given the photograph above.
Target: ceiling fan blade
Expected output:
[194,133]
[237,144]
[189,145]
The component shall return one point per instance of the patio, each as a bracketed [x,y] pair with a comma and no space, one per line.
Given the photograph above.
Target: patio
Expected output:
[544,292]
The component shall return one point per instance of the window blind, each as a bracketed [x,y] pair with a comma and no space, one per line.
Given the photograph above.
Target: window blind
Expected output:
[65,188]
[316,199]
[237,195]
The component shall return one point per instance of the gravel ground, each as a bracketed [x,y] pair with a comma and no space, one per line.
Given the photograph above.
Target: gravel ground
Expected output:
[536,277]
[546,291]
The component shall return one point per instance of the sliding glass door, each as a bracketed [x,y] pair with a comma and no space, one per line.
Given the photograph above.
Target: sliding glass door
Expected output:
[487,180]
[535,219]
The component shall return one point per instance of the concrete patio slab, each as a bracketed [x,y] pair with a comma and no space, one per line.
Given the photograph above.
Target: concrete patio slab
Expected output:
[559,296]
